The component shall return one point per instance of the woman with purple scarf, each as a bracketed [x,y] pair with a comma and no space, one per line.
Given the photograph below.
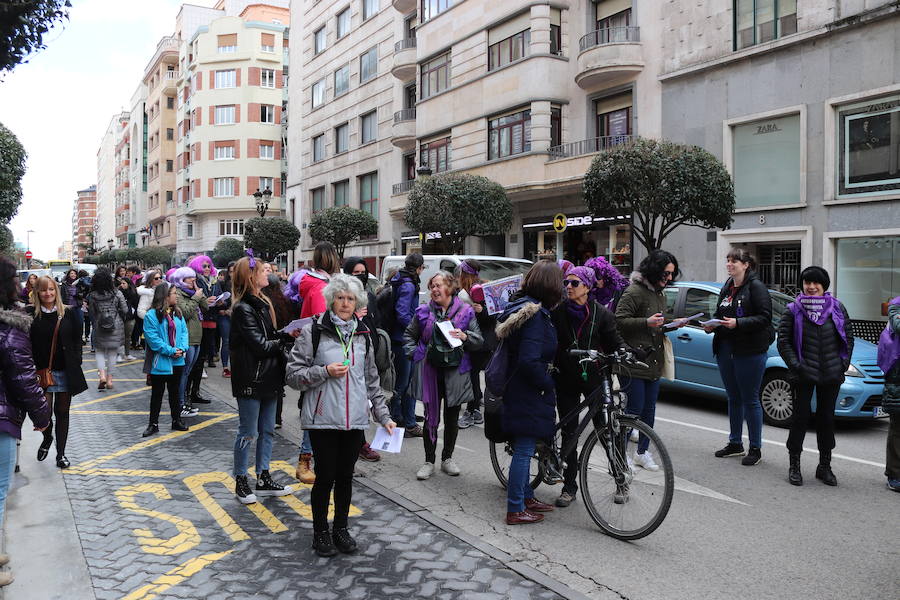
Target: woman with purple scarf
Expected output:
[889,361]
[610,283]
[441,372]
[816,343]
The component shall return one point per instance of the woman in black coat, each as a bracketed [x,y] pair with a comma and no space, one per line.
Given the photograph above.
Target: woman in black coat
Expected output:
[66,367]
[816,342]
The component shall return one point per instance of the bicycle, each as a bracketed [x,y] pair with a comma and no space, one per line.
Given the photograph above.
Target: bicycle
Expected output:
[625,501]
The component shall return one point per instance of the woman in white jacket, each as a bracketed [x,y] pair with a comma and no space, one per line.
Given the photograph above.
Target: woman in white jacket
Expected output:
[152,278]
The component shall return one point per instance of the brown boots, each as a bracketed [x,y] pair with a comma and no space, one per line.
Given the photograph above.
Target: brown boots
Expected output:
[305,473]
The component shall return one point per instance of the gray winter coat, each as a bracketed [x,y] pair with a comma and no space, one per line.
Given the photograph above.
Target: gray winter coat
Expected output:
[329,402]
[108,339]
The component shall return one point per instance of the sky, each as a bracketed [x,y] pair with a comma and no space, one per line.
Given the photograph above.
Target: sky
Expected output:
[60,103]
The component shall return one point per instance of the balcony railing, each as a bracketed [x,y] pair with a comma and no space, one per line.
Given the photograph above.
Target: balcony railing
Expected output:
[402,188]
[407,114]
[609,35]
[588,146]
[172,75]
[405,44]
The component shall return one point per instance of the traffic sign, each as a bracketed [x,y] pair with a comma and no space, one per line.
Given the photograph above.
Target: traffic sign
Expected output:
[559,222]
[28,255]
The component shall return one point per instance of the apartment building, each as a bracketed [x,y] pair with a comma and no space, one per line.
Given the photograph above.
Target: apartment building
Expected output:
[122,179]
[84,219]
[106,181]
[136,214]
[523,92]
[801,101]
[64,252]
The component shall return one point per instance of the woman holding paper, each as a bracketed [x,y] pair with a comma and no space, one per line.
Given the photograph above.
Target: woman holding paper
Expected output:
[333,363]
[816,342]
[439,339]
[743,330]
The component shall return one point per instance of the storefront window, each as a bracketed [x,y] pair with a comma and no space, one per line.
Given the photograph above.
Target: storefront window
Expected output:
[869,147]
[767,162]
[585,237]
[868,275]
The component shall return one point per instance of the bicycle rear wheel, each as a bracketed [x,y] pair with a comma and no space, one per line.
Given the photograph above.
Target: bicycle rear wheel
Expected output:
[626,503]
[501,457]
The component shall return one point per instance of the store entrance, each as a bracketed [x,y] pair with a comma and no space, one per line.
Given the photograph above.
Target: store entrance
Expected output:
[585,237]
[779,267]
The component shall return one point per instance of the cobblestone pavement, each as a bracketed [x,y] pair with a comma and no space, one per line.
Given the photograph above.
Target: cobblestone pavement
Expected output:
[157,518]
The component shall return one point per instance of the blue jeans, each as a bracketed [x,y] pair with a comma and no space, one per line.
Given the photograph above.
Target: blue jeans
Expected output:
[742,376]
[190,357]
[403,407]
[224,325]
[642,395]
[7,467]
[519,487]
[257,420]
[305,444]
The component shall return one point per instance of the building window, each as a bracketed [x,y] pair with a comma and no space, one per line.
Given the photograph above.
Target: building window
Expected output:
[436,75]
[266,113]
[436,155]
[868,139]
[341,138]
[368,65]
[170,102]
[267,42]
[225,115]
[170,133]
[189,229]
[231,227]
[318,148]
[223,187]
[368,127]
[319,40]
[432,8]
[868,274]
[613,119]
[267,78]
[318,93]
[759,21]
[555,40]
[509,134]
[342,193]
[267,183]
[169,165]
[342,80]
[226,79]
[227,43]
[509,49]
[369,9]
[555,126]
[368,194]
[223,153]
[318,199]
[267,151]
[169,197]
[767,162]
[343,23]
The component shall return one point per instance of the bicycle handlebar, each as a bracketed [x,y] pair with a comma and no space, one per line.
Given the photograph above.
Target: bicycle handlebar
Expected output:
[620,356]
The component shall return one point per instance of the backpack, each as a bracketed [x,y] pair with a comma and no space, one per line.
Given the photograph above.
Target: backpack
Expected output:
[496,374]
[107,312]
[385,303]
[384,360]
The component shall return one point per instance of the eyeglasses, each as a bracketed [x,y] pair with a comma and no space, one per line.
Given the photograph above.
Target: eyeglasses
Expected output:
[668,274]
[157,278]
[573,282]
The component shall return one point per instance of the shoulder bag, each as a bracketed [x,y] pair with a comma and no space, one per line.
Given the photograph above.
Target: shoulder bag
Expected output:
[45,376]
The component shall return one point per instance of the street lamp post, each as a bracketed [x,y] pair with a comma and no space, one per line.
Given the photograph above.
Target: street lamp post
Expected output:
[262,201]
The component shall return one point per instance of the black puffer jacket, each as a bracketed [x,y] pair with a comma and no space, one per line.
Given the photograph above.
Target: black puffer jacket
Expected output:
[599,333]
[257,359]
[821,348]
[752,307]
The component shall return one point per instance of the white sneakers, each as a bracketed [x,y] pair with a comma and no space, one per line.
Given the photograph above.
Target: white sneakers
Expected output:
[450,467]
[425,471]
[646,461]
[635,436]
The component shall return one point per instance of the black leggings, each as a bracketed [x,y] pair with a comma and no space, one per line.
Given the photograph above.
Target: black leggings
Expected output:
[159,383]
[192,389]
[451,426]
[336,451]
[826,395]
[61,402]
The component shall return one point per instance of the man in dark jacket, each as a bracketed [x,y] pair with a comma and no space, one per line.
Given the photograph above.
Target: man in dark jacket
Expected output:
[406,299]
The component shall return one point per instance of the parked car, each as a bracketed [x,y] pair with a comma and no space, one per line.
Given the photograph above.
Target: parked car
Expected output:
[492,267]
[696,370]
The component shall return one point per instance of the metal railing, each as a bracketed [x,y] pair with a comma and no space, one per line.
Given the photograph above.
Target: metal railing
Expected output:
[402,188]
[405,44]
[590,146]
[609,35]
[407,114]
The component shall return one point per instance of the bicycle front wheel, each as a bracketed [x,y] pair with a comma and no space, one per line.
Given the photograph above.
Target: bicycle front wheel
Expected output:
[501,457]
[626,501]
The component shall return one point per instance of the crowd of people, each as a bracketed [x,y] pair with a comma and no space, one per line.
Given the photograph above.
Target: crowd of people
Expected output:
[358,352]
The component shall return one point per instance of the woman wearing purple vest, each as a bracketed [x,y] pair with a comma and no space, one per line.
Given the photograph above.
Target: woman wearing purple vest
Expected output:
[816,343]
[440,372]
[889,361]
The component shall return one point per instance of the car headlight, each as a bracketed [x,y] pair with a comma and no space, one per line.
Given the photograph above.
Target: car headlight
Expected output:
[853,372]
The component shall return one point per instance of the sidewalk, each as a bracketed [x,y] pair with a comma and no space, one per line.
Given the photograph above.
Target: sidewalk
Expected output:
[157,518]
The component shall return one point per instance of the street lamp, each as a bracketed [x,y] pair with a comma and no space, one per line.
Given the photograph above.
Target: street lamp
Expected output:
[110,243]
[262,201]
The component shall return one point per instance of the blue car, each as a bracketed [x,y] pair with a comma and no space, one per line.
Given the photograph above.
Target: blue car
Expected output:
[696,370]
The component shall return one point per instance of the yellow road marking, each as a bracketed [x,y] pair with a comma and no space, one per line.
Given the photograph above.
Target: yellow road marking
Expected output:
[196,484]
[121,472]
[113,396]
[175,576]
[121,364]
[136,412]
[187,537]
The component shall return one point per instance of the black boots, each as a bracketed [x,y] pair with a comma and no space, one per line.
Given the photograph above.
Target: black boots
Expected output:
[323,545]
[823,471]
[794,476]
[151,429]
[343,541]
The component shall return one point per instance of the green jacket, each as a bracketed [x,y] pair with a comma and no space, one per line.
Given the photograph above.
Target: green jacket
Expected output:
[189,307]
[639,301]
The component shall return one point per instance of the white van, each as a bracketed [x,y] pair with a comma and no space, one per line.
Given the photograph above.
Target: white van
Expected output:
[492,267]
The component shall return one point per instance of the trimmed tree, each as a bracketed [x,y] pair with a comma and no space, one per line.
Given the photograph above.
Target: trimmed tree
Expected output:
[12,169]
[7,240]
[226,250]
[342,226]
[663,186]
[155,255]
[270,237]
[458,205]
[23,25]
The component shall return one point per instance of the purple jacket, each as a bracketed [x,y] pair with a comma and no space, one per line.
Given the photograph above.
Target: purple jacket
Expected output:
[406,299]
[19,389]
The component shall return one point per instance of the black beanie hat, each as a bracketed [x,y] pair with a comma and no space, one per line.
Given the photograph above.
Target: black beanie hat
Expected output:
[815,275]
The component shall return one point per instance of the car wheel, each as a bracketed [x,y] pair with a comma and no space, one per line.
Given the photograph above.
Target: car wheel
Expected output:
[777,398]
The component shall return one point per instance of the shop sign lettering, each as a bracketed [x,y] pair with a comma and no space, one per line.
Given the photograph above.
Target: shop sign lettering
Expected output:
[579,221]
[767,128]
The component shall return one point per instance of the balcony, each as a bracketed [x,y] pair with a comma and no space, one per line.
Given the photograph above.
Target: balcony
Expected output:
[170,82]
[403,188]
[403,132]
[608,55]
[404,6]
[405,63]
[589,146]
[397,203]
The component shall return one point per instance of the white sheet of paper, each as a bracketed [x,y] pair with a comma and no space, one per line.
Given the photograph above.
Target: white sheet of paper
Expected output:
[446,327]
[296,324]
[384,442]
[712,323]
[223,297]
[673,324]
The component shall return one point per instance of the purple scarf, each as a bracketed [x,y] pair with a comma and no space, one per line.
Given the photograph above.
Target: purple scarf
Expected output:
[817,309]
[889,345]
[171,323]
[577,312]
[460,314]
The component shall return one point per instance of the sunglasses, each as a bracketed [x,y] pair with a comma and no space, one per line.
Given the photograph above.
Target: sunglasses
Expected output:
[668,274]
[157,278]
[573,282]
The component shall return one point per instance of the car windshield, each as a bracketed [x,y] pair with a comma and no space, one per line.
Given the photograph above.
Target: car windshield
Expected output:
[779,306]
[498,269]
